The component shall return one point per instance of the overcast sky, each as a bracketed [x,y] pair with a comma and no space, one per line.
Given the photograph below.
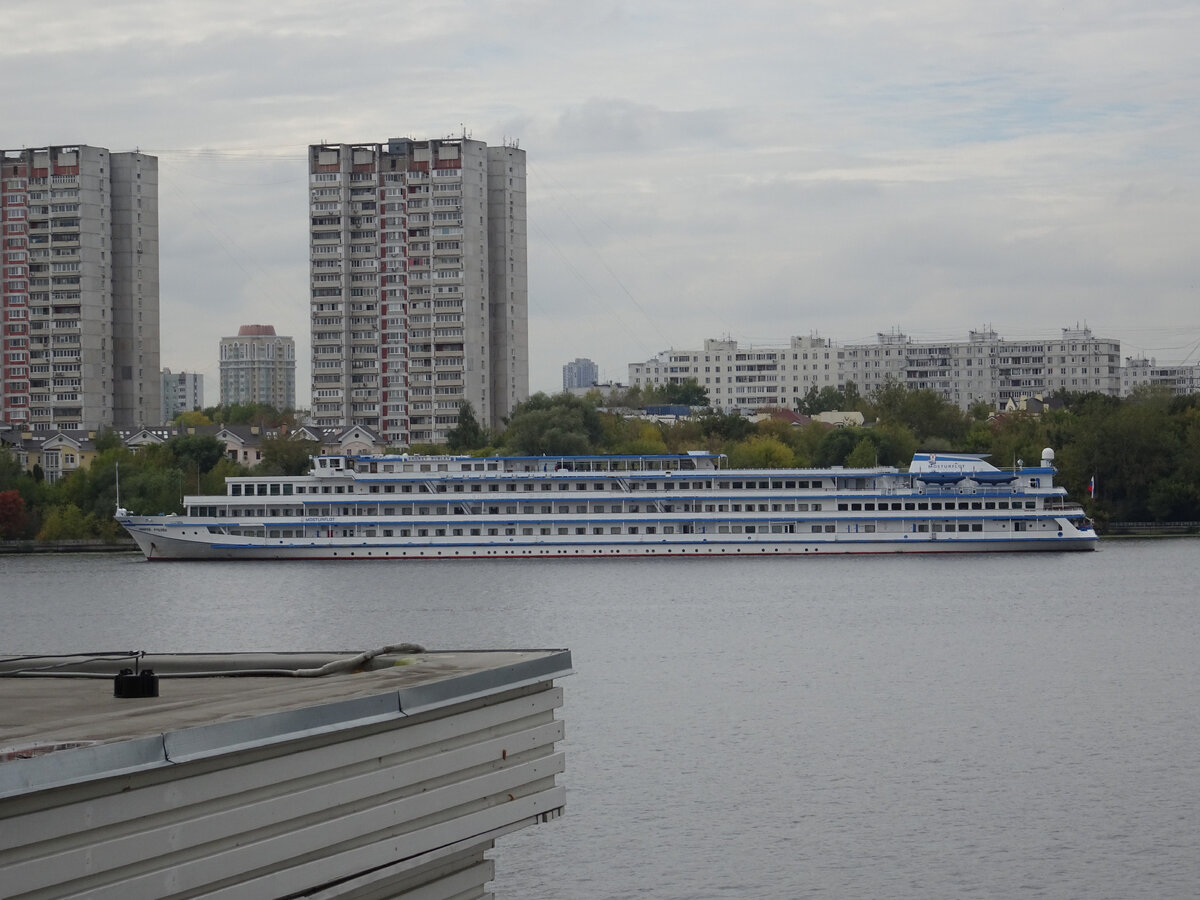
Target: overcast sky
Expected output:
[696,169]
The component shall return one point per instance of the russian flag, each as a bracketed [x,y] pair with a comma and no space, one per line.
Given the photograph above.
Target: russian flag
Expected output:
[1092,487]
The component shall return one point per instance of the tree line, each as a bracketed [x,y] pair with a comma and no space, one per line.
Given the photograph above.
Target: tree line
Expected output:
[154,479]
[1142,452]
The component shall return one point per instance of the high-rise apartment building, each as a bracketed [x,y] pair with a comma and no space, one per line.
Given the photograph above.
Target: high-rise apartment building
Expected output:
[80,288]
[181,392]
[419,287]
[258,366]
[580,373]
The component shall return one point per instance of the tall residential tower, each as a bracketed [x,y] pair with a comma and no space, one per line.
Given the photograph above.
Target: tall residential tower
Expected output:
[80,299]
[258,366]
[419,291]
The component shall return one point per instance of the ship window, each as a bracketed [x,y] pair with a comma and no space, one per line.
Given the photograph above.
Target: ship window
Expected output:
[829,529]
[527,487]
[991,504]
[597,531]
[510,510]
[564,486]
[545,486]
[976,505]
[750,529]
[545,531]
[581,531]
[651,530]
[963,504]
[789,484]
[736,507]
[842,507]
[869,528]
[1003,504]
[923,527]
[1031,504]
[816,529]
[374,489]
[510,487]
[977,526]
[562,531]
[422,532]
[895,506]
[868,506]
[493,488]
[581,508]
[667,529]
[406,489]
[937,526]
[855,506]
[633,530]
[963,526]
[475,532]
[458,488]
[235,490]
[777,507]
[722,507]
[475,488]
[493,532]
[932,506]
[597,487]
[274,490]
[737,485]
[547,509]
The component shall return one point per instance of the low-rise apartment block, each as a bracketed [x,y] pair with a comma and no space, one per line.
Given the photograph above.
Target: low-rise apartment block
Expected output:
[984,368]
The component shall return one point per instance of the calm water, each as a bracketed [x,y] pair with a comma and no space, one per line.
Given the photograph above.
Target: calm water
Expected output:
[899,727]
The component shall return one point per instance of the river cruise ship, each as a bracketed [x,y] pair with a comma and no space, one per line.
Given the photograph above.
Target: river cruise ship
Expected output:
[459,507]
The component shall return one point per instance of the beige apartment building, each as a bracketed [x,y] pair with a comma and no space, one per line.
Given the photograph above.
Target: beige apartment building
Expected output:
[258,366]
[80,288]
[419,292]
[984,368]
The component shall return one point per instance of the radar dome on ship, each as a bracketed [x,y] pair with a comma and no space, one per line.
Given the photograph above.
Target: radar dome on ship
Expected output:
[1047,456]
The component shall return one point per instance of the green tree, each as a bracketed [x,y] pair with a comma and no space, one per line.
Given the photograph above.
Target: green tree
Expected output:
[761,452]
[67,523]
[687,392]
[195,453]
[468,434]
[286,455]
[863,456]
[563,425]
[725,426]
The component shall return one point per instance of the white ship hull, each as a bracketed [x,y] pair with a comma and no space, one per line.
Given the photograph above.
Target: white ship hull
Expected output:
[158,544]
